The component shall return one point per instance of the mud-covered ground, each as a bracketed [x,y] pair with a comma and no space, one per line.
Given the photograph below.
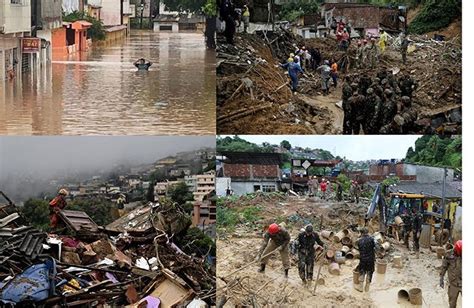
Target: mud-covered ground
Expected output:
[239,247]
[253,96]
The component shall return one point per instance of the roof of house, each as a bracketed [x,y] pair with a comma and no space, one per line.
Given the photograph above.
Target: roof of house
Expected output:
[453,189]
[252,158]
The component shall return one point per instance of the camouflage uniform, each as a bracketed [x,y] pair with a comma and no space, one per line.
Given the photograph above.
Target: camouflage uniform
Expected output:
[371,107]
[407,228]
[417,224]
[453,265]
[366,265]
[407,86]
[306,254]
[357,102]
[390,108]
[346,94]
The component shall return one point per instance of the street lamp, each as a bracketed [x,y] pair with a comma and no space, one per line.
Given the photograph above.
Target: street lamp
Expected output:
[141,8]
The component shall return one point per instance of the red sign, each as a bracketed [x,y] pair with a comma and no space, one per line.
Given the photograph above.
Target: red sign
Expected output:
[31,45]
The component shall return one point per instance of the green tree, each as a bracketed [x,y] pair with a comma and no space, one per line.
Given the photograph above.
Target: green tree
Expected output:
[293,9]
[285,144]
[410,154]
[206,7]
[180,193]
[36,213]
[96,31]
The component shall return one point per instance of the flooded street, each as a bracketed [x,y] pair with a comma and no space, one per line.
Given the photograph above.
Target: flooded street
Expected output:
[101,93]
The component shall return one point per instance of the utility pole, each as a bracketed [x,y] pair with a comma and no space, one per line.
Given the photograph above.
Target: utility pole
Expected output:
[142,7]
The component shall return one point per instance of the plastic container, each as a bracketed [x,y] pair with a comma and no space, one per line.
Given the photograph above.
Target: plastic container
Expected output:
[381,266]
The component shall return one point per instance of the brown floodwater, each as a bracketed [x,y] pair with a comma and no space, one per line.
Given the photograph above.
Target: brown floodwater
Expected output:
[101,93]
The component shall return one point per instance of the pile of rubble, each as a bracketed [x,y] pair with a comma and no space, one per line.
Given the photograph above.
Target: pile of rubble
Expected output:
[253,95]
[251,84]
[132,262]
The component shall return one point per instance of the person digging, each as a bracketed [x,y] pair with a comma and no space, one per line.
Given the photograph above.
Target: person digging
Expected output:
[276,238]
[452,264]
[366,265]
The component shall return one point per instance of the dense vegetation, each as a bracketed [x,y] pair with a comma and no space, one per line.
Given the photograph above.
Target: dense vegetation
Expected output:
[293,9]
[437,151]
[96,31]
[435,15]
[36,211]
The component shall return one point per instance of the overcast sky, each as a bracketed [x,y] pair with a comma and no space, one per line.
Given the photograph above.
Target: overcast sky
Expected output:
[352,147]
[48,155]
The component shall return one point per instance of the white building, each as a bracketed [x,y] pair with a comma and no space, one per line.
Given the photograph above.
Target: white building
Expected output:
[15,23]
[205,184]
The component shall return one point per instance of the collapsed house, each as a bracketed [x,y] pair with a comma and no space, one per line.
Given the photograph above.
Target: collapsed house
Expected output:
[133,262]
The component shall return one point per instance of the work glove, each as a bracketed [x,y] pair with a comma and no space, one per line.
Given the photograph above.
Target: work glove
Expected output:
[441,282]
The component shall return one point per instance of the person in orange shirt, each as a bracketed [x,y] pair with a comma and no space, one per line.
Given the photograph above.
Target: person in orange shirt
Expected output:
[57,204]
[334,74]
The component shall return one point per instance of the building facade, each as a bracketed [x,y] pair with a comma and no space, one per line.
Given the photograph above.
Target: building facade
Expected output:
[15,24]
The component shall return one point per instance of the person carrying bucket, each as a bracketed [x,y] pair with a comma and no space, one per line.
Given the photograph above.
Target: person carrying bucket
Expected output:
[452,263]
[366,265]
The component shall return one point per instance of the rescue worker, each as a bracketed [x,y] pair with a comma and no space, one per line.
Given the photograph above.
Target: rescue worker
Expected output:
[293,70]
[357,102]
[366,265]
[227,12]
[246,18]
[325,72]
[417,224]
[407,85]
[315,58]
[383,40]
[324,187]
[372,54]
[275,238]
[404,47]
[306,252]
[369,109]
[359,54]
[346,94]
[452,263]
[407,227]
[345,40]
[339,191]
[56,205]
[334,74]
[390,107]
[365,48]
[355,192]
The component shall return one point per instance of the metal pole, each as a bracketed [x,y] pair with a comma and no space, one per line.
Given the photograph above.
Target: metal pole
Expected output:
[443,200]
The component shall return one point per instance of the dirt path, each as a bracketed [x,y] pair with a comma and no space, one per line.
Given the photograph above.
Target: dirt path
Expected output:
[329,102]
[240,246]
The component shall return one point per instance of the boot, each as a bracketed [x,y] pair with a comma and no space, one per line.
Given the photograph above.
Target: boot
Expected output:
[304,281]
[367,284]
[286,273]
[262,268]
[358,287]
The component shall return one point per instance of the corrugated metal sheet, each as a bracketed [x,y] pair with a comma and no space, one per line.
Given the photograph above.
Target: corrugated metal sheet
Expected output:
[137,220]
[78,221]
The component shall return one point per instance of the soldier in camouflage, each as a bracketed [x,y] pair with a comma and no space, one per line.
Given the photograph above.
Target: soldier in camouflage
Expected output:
[306,252]
[346,94]
[366,265]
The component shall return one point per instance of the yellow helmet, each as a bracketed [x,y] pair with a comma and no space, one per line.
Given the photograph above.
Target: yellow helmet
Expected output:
[291,60]
[63,192]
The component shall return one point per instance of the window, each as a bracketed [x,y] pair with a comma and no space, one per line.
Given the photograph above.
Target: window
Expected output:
[268,188]
[20,2]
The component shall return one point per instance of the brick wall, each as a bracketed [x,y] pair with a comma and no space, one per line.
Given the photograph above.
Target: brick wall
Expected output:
[251,171]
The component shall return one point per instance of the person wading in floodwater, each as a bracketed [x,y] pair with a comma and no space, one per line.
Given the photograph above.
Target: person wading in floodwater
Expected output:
[142,64]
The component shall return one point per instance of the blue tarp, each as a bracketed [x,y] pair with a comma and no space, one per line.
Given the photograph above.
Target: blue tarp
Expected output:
[35,284]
